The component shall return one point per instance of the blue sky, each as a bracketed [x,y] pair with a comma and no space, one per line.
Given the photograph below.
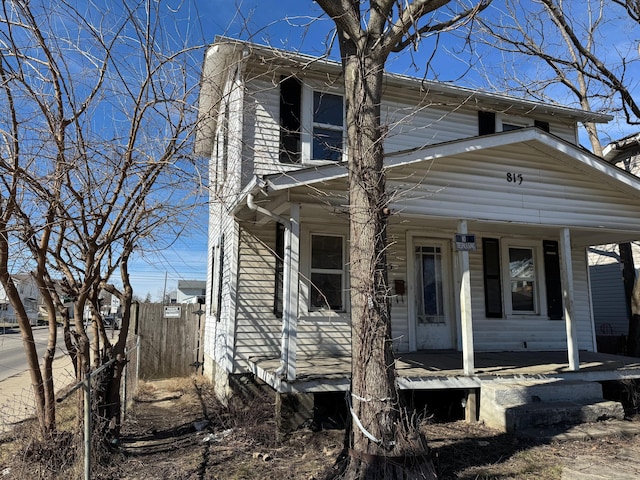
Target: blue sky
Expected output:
[300,26]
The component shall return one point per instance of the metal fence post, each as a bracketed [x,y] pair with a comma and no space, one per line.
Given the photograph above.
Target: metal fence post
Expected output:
[87,424]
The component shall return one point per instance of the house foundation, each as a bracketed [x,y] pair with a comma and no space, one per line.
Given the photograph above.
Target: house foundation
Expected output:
[293,410]
[219,378]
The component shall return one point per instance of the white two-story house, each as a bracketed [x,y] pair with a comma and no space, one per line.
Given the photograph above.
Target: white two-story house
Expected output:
[493,205]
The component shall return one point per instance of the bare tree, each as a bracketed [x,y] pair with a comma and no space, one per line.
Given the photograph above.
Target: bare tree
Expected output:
[385,443]
[590,48]
[96,165]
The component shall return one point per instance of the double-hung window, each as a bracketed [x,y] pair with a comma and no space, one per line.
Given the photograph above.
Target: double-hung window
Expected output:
[328,127]
[311,124]
[522,278]
[327,273]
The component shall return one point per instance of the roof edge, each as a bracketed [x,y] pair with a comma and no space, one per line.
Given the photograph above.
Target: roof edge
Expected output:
[304,61]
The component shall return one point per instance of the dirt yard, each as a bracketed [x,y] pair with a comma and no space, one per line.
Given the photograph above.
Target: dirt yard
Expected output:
[177,430]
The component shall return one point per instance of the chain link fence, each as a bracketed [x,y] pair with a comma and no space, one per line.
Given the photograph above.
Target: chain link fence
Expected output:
[17,400]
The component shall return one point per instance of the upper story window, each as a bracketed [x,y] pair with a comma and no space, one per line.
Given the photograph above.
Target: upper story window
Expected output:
[328,127]
[490,122]
[311,124]
[506,123]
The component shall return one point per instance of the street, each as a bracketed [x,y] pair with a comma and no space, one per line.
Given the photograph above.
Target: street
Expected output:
[16,395]
[12,357]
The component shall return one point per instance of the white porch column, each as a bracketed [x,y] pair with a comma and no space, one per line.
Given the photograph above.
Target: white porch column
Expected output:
[290,293]
[466,319]
[568,294]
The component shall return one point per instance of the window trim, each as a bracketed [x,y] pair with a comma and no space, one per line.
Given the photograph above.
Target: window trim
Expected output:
[308,125]
[540,300]
[517,121]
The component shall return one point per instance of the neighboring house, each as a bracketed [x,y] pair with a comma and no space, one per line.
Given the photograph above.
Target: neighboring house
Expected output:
[493,203]
[29,294]
[109,306]
[191,291]
[610,306]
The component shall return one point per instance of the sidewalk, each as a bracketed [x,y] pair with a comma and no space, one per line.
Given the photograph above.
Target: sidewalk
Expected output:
[16,395]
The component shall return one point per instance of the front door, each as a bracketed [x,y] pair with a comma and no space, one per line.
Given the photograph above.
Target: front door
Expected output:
[434,320]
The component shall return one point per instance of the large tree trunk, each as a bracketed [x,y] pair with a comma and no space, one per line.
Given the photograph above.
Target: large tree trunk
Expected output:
[380,446]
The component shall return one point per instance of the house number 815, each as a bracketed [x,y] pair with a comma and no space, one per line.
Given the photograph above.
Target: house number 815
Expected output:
[515,178]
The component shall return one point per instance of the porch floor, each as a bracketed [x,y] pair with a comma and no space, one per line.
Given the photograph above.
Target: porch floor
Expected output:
[442,369]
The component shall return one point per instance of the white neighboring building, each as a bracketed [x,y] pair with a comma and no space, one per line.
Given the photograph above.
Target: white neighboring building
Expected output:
[30,295]
[110,306]
[190,291]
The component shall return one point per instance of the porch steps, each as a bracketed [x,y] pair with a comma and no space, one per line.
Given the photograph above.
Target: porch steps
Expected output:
[523,404]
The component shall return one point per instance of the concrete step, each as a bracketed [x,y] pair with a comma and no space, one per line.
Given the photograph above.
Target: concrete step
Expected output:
[533,415]
[536,391]
[518,405]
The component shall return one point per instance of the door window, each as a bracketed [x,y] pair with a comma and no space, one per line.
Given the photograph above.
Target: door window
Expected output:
[430,296]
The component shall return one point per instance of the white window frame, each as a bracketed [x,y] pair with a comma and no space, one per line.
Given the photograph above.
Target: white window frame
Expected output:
[521,122]
[342,272]
[539,297]
[307,125]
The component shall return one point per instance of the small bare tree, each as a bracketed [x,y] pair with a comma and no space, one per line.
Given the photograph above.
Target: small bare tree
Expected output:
[385,444]
[96,165]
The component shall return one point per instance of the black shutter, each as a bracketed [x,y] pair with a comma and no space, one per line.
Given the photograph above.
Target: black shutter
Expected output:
[213,279]
[552,279]
[486,123]
[220,279]
[279,271]
[290,129]
[492,282]
[542,125]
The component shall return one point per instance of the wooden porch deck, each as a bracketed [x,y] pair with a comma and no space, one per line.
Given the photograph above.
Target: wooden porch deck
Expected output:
[433,370]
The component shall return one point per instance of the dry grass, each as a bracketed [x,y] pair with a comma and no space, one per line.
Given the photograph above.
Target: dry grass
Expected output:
[177,429]
[25,454]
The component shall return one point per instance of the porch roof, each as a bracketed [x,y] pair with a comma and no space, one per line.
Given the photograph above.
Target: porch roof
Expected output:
[438,370]
[274,191]
[532,137]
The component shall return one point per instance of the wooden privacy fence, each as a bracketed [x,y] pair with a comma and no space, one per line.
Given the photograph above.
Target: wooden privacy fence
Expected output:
[170,340]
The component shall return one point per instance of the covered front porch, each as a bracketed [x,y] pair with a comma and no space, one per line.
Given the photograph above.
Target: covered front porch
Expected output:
[437,370]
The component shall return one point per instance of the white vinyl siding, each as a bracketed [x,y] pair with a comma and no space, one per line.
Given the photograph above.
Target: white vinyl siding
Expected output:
[529,333]
[322,332]
[257,328]
[476,183]
[408,125]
